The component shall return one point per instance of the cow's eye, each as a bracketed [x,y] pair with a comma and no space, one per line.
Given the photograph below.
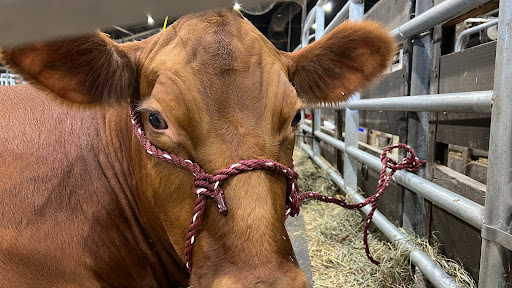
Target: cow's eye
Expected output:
[296,119]
[157,121]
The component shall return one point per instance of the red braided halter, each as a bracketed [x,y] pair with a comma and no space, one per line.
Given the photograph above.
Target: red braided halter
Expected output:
[209,185]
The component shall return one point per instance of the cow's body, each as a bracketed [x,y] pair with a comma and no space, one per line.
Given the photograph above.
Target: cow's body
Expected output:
[83,205]
[66,186]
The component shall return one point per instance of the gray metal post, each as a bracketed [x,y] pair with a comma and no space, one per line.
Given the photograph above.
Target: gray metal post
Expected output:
[317,114]
[356,12]
[495,259]
[418,126]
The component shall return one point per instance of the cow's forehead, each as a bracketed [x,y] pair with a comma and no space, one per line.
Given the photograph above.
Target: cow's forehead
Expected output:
[221,39]
[218,54]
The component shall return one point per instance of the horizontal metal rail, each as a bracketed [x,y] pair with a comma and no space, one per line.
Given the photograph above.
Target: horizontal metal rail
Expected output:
[307,128]
[327,139]
[471,102]
[477,102]
[455,204]
[473,30]
[436,15]
[340,17]
[433,272]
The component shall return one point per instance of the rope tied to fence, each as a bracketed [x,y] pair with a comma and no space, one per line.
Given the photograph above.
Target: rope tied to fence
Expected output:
[209,185]
[409,163]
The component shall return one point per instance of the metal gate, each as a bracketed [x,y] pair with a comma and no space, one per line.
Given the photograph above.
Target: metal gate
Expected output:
[419,37]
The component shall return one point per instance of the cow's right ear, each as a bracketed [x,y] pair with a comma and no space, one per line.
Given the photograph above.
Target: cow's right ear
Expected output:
[85,69]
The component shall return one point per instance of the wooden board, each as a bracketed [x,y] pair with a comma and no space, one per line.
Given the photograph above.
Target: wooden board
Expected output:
[460,241]
[469,70]
[459,183]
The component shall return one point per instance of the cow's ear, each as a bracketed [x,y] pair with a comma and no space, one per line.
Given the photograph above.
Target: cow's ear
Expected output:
[346,60]
[85,69]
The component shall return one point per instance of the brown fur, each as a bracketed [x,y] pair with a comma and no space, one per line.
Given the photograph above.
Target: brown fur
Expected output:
[348,59]
[81,70]
[85,206]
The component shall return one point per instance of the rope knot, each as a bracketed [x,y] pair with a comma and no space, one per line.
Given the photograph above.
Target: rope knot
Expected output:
[207,185]
[409,163]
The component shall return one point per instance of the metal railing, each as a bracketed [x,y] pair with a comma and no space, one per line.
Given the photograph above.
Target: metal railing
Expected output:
[465,33]
[7,79]
[491,219]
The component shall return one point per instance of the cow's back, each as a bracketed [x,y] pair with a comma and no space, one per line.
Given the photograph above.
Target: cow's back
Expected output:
[61,224]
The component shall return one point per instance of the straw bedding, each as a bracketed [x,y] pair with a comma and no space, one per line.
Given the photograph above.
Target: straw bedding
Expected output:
[336,247]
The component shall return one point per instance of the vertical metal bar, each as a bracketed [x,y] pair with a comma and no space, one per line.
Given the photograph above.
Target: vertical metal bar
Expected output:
[356,12]
[495,260]
[339,136]
[317,114]
[418,126]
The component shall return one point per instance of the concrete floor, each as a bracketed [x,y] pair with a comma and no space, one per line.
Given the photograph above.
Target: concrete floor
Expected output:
[296,228]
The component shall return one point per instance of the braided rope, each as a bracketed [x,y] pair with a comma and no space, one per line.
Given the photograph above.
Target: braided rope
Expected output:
[209,185]
[409,163]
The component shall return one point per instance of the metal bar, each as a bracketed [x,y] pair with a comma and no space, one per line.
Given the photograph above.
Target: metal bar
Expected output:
[495,259]
[435,274]
[458,44]
[457,205]
[330,140]
[340,17]
[414,212]
[306,129]
[317,113]
[310,19]
[142,34]
[122,30]
[438,14]
[477,102]
[356,12]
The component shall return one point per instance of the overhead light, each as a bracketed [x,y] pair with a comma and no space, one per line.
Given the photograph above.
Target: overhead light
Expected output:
[236,6]
[150,20]
[313,26]
[327,7]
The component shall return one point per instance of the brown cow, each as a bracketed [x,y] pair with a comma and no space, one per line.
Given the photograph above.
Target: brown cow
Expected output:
[82,203]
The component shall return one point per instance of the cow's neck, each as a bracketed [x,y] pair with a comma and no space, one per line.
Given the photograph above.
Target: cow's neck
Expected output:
[121,147]
[116,160]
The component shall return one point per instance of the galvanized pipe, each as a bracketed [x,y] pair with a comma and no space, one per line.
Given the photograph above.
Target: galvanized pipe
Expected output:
[330,140]
[455,204]
[435,274]
[440,13]
[306,128]
[477,102]
[319,33]
[340,17]
[496,260]
[356,13]
[142,34]
[458,44]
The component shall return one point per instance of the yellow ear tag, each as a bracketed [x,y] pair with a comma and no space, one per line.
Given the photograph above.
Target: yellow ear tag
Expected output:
[165,22]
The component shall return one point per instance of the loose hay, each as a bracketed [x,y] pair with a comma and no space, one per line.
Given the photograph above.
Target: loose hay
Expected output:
[336,246]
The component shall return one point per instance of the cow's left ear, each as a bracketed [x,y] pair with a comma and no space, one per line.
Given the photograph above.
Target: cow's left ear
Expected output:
[346,60]
[85,69]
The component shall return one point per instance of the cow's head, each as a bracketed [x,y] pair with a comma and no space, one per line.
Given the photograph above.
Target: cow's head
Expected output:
[213,89]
